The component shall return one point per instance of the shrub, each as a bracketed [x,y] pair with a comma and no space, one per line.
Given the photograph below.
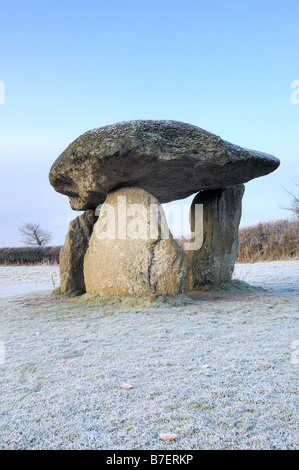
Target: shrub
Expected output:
[268,241]
[29,255]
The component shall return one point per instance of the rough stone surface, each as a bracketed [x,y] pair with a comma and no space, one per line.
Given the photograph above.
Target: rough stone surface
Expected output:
[73,251]
[170,159]
[127,264]
[214,261]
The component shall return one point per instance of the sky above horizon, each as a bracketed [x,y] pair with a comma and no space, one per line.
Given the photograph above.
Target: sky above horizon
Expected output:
[69,66]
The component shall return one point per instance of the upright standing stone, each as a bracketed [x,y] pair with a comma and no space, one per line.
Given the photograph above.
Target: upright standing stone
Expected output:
[129,252]
[214,261]
[73,251]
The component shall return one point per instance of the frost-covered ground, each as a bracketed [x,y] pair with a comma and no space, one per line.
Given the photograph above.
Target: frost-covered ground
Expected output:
[16,280]
[64,361]
[278,275]
[274,275]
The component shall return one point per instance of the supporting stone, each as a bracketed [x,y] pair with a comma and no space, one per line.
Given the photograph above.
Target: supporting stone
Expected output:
[129,252]
[214,262]
[73,251]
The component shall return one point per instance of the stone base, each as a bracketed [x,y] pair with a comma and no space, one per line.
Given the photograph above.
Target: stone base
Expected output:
[73,251]
[128,254]
[214,262]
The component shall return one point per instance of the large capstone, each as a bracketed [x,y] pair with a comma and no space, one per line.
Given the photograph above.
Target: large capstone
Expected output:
[131,251]
[73,251]
[169,159]
[213,262]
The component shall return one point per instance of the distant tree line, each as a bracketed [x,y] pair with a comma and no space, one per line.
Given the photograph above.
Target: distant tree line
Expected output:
[268,241]
[35,238]
[276,240]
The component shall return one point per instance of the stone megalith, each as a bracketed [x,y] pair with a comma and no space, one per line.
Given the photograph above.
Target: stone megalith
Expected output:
[169,160]
[213,262]
[131,250]
[73,251]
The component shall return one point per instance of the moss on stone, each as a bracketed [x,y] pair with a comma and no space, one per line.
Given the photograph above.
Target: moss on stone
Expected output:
[136,301]
[58,293]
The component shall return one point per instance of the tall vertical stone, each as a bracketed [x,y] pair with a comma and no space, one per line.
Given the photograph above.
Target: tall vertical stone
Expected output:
[131,251]
[73,251]
[214,262]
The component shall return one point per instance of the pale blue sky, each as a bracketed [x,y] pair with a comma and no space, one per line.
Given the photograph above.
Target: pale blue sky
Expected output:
[72,65]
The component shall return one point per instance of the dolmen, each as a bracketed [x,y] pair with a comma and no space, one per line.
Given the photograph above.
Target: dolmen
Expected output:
[119,175]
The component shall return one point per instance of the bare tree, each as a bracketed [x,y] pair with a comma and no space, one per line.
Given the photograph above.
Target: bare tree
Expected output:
[294,201]
[33,234]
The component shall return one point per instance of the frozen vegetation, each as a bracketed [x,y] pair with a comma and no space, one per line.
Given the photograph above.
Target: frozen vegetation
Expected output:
[219,373]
